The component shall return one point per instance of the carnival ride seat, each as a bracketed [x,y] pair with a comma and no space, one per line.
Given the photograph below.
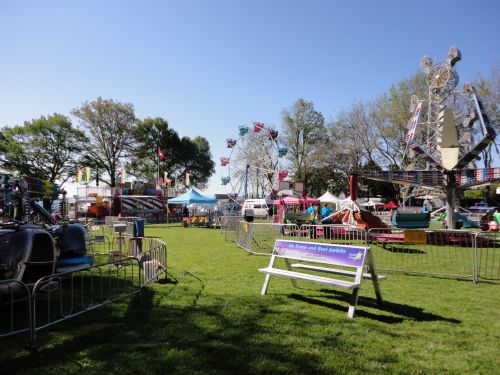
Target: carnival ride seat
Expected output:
[299,218]
[41,260]
[411,220]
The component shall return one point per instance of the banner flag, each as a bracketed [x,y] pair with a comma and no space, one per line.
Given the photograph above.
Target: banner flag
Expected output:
[124,175]
[187,179]
[414,123]
[79,178]
[87,170]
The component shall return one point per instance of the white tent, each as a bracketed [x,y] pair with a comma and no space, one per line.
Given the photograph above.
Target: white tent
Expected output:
[329,198]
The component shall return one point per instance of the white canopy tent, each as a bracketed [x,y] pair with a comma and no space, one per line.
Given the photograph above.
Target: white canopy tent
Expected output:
[330,198]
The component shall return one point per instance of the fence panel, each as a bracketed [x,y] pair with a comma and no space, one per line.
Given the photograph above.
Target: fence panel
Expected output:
[259,238]
[438,252]
[15,309]
[335,234]
[488,256]
[75,292]
[153,262]
[230,227]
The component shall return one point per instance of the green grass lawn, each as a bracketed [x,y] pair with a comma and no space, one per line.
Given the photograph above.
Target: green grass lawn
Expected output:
[208,317]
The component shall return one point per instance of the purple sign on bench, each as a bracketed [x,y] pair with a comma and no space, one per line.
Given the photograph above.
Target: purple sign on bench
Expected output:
[351,256]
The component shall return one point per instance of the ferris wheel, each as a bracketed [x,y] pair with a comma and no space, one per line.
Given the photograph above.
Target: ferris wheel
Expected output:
[250,165]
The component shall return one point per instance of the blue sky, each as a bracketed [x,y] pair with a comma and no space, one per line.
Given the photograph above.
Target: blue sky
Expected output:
[209,66]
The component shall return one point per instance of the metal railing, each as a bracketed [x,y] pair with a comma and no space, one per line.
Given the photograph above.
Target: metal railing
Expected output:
[452,253]
[75,292]
[61,296]
[153,262]
[488,256]
[10,292]
[432,252]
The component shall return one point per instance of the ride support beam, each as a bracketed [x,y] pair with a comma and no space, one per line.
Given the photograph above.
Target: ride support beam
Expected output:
[354,187]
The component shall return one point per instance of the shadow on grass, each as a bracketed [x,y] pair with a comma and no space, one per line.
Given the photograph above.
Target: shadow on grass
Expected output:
[403,250]
[411,312]
[155,338]
[170,279]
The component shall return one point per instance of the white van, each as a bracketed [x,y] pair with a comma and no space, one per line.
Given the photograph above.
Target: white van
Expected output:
[260,207]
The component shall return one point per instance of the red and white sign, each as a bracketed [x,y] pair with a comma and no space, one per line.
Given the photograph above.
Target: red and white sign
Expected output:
[414,123]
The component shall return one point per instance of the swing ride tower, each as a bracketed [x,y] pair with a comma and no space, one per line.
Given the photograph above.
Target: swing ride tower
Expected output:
[443,147]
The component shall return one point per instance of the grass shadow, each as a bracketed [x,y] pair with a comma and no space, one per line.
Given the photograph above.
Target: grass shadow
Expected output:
[403,250]
[411,312]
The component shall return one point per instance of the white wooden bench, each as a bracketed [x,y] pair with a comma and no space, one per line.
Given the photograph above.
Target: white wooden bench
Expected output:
[356,257]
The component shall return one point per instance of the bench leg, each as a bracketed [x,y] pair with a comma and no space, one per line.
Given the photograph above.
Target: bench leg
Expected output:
[289,268]
[268,276]
[354,302]
[266,285]
[373,273]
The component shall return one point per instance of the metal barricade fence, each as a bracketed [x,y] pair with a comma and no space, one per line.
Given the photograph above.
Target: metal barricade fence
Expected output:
[433,252]
[226,220]
[72,293]
[15,317]
[259,238]
[230,227]
[488,255]
[153,262]
[337,234]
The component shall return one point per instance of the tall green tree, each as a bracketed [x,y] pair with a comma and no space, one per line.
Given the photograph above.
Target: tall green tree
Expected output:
[48,148]
[303,129]
[110,129]
[181,155]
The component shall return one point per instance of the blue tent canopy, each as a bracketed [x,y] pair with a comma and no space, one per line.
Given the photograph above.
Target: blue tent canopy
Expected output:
[192,196]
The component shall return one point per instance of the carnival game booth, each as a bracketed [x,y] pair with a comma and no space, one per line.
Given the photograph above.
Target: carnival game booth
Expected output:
[202,208]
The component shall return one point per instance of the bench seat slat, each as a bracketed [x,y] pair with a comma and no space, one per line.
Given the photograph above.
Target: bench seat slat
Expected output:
[311,278]
[335,271]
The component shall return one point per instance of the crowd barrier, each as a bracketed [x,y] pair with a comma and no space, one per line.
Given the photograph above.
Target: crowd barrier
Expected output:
[58,297]
[452,253]
[434,252]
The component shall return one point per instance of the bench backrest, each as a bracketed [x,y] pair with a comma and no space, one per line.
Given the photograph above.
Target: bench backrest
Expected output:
[342,255]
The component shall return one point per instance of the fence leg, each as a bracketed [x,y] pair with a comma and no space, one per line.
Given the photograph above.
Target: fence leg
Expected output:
[475,270]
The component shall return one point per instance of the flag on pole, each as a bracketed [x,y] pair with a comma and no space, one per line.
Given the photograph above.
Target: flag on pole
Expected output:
[87,171]
[124,175]
[79,178]
[187,179]
[175,181]
[161,154]
[166,179]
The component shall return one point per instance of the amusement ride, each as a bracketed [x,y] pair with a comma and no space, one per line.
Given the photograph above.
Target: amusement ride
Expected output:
[251,165]
[444,145]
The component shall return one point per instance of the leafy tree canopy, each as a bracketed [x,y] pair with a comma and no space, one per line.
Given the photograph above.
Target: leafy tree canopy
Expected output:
[48,148]
[110,128]
[181,155]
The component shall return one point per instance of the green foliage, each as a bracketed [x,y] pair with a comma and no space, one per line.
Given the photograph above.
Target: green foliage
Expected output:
[488,88]
[48,148]
[473,194]
[180,155]
[303,130]
[109,126]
